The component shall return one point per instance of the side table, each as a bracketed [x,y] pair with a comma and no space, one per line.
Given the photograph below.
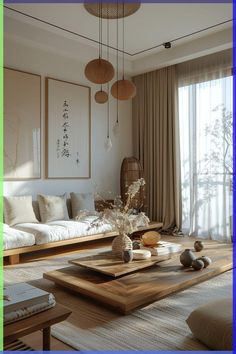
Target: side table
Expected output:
[40,321]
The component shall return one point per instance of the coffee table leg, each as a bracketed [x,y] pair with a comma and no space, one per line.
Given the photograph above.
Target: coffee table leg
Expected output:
[47,338]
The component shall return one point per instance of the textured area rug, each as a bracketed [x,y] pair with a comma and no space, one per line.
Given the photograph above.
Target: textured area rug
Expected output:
[159,326]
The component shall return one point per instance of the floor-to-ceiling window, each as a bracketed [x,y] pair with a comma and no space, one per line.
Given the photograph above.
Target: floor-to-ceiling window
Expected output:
[205,114]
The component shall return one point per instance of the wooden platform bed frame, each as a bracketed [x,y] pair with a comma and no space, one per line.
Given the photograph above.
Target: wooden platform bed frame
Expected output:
[14,253]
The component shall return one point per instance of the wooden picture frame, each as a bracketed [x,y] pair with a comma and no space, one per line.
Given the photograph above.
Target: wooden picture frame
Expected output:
[22,125]
[68,130]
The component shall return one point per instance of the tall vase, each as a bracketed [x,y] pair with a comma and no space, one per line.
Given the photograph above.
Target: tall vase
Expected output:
[120,243]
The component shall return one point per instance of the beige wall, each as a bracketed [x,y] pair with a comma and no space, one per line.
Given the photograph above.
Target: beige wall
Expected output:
[105,165]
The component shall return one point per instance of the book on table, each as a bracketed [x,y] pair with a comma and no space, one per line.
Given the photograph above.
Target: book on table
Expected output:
[163,248]
[22,295]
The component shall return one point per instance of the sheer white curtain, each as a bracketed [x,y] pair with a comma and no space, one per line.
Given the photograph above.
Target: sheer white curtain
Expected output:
[205,115]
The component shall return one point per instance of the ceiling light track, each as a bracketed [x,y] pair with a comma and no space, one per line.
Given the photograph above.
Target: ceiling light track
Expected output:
[65,30]
[111,47]
[182,37]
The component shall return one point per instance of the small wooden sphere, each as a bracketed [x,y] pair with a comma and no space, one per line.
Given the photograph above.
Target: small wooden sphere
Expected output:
[198,245]
[123,90]
[101,97]
[99,71]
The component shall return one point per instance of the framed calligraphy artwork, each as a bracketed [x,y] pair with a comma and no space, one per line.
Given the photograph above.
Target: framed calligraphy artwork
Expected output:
[22,125]
[68,130]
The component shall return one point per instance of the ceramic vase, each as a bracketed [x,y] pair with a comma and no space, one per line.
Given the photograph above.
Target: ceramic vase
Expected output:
[206,260]
[187,257]
[120,243]
[198,245]
[197,264]
[127,256]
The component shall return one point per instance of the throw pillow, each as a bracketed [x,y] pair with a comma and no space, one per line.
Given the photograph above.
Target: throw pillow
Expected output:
[212,324]
[82,201]
[52,207]
[19,210]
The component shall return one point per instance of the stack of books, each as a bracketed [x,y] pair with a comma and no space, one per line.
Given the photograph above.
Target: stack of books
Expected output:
[163,248]
[23,300]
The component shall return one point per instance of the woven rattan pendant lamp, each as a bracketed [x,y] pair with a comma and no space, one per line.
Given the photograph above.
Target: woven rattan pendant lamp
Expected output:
[99,71]
[123,89]
[111,10]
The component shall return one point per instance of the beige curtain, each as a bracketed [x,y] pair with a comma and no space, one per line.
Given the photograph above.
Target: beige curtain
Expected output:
[206,145]
[156,143]
[209,67]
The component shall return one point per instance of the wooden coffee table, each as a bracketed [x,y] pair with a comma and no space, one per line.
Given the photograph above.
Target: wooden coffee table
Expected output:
[134,290]
[42,320]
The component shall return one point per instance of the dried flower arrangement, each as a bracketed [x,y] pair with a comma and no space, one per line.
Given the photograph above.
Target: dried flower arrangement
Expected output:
[122,219]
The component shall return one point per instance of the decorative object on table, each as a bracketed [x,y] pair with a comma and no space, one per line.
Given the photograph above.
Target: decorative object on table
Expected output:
[198,246]
[187,257]
[163,248]
[136,245]
[120,243]
[127,256]
[68,129]
[150,238]
[132,170]
[22,125]
[24,300]
[120,217]
[206,260]
[197,264]
[141,254]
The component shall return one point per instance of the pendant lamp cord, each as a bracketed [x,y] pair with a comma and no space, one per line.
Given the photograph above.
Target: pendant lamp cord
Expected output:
[117,61]
[108,86]
[99,29]
[123,40]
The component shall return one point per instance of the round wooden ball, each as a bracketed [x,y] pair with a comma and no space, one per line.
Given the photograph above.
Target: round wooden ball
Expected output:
[197,264]
[206,260]
[198,246]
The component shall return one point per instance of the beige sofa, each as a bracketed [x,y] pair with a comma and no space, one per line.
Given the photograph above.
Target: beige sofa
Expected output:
[30,237]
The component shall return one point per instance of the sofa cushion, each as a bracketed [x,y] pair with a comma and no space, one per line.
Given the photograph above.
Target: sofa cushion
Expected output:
[212,324]
[82,201]
[52,208]
[13,238]
[18,210]
[63,230]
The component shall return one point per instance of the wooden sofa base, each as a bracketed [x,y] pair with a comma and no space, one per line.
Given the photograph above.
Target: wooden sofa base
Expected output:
[14,254]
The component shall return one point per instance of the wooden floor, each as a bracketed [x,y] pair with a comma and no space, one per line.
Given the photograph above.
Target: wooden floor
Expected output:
[35,340]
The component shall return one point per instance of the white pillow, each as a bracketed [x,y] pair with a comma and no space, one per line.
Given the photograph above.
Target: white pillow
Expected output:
[81,201]
[18,210]
[52,207]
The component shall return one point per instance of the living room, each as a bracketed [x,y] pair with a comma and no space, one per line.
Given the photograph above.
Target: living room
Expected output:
[118,176]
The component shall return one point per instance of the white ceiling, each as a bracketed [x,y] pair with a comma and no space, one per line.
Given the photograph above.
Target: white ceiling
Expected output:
[152,25]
